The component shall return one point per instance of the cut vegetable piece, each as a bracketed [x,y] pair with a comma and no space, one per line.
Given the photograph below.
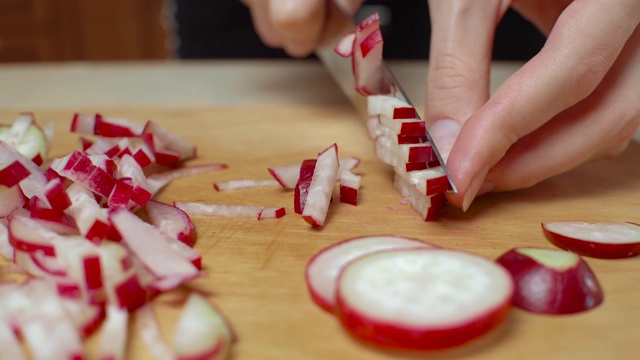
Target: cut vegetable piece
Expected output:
[172,221]
[149,330]
[551,281]
[159,180]
[605,240]
[428,207]
[349,187]
[6,250]
[10,200]
[344,47]
[201,332]
[302,187]
[114,334]
[27,137]
[257,212]
[367,57]
[33,184]
[323,269]
[10,347]
[13,173]
[165,140]
[243,184]
[287,175]
[422,298]
[321,188]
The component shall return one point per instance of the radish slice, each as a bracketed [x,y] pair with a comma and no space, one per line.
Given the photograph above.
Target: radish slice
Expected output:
[201,332]
[149,329]
[257,212]
[422,298]
[243,184]
[172,221]
[551,281]
[599,240]
[321,188]
[324,268]
[114,334]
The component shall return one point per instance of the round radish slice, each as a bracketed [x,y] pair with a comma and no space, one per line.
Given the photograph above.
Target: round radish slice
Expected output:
[551,281]
[599,240]
[324,268]
[422,299]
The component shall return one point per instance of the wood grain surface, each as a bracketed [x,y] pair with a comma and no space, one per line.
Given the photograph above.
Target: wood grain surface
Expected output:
[254,269]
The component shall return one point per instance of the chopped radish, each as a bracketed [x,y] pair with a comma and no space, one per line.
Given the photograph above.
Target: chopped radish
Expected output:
[114,334]
[13,173]
[149,330]
[367,57]
[10,200]
[302,187]
[324,268]
[598,240]
[422,298]
[427,206]
[164,140]
[257,212]
[349,186]
[159,180]
[104,126]
[344,47]
[27,137]
[243,184]
[32,185]
[172,221]
[287,175]
[201,332]
[10,347]
[321,188]
[6,250]
[551,281]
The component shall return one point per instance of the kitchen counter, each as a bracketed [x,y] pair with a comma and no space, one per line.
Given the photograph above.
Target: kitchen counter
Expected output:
[253,115]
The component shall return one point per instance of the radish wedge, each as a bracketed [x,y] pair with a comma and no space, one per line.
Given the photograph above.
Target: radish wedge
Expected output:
[201,332]
[422,299]
[598,240]
[322,271]
[551,281]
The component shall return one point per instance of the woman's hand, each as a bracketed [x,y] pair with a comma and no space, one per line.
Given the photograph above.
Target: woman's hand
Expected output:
[297,26]
[575,101]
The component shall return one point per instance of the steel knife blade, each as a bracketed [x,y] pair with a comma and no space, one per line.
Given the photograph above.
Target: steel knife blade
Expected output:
[341,71]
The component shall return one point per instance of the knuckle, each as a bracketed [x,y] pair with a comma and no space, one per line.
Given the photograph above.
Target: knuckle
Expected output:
[449,72]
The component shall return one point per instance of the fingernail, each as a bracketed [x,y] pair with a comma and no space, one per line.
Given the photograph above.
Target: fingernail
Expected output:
[444,133]
[474,188]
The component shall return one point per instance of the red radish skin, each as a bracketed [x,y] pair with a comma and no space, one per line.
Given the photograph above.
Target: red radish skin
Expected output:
[613,240]
[349,187]
[422,299]
[551,281]
[13,173]
[302,186]
[322,271]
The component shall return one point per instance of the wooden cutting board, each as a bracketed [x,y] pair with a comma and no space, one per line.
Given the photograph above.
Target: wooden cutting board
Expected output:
[254,269]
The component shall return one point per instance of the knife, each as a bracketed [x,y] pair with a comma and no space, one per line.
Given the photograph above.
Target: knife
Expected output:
[341,70]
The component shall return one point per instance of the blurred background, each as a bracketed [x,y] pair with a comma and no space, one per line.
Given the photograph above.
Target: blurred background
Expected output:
[85,30]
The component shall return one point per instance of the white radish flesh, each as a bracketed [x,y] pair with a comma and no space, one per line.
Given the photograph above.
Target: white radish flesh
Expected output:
[257,212]
[243,184]
[321,187]
[323,269]
[422,298]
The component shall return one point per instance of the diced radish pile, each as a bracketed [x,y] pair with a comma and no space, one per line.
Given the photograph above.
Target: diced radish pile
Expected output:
[402,293]
[71,229]
[599,240]
[419,178]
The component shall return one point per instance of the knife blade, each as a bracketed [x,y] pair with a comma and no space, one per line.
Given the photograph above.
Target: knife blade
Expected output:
[341,71]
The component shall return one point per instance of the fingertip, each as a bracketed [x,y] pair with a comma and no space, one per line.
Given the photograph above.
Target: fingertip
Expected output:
[299,23]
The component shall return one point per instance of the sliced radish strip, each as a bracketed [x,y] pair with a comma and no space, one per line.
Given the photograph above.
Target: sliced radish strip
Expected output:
[349,186]
[201,332]
[344,47]
[323,269]
[302,187]
[321,187]
[164,140]
[10,347]
[257,212]
[243,184]
[422,298]
[114,334]
[159,180]
[551,281]
[599,240]
[158,255]
[149,329]
[172,221]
